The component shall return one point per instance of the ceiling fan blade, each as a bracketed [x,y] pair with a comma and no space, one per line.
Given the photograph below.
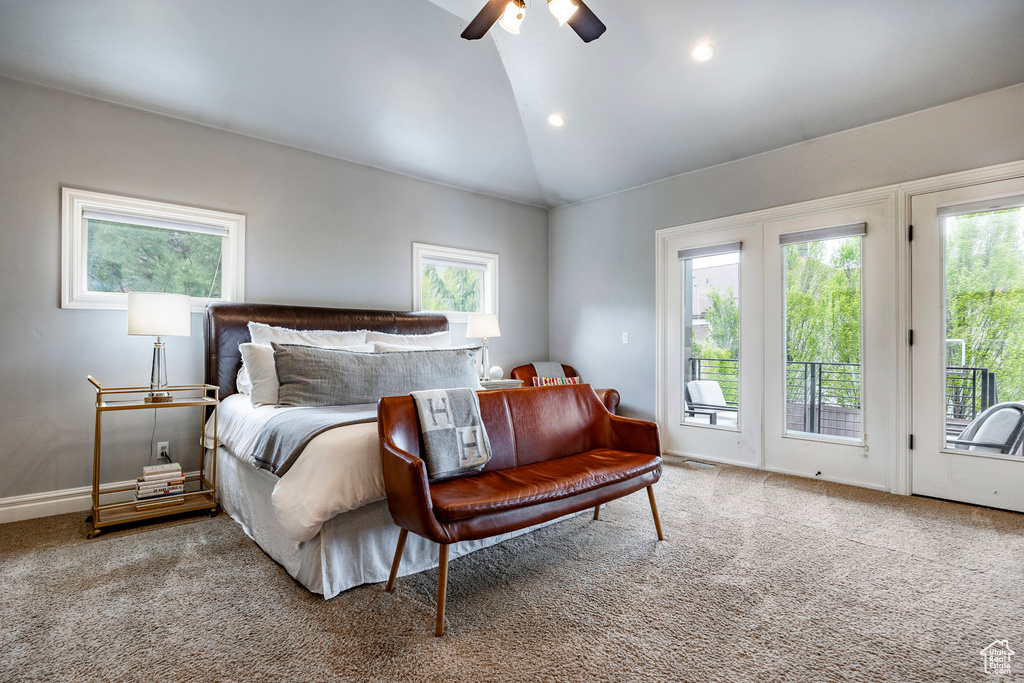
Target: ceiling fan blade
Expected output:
[483,21]
[586,24]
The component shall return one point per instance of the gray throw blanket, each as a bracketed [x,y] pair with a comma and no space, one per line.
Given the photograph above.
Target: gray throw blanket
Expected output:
[285,435]
[548,369]
[454,438]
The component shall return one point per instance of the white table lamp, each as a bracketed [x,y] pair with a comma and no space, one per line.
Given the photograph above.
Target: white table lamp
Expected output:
[159,315]
[483,325]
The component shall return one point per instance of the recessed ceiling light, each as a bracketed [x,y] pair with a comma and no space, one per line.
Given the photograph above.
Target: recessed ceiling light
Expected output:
[703,52]
[556,120]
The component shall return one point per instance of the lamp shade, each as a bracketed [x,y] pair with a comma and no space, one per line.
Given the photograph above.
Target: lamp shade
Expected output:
[512,18]
[483,325]
[562,9]
[159,315]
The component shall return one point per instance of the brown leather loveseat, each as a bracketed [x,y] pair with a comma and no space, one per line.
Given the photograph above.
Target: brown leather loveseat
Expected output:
[554,451]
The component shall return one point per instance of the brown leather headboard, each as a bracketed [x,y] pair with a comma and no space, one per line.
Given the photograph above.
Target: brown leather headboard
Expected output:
[226,326]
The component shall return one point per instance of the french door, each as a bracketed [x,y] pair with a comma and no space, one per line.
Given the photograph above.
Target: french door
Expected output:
[968,352]
[777,340]
[711,405]
[828,373]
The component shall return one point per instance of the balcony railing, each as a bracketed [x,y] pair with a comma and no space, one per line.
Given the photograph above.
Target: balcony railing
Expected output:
[725,371]
[825,398]
[968,392]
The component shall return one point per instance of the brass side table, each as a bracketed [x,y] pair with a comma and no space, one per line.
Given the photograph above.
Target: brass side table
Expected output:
[200,489]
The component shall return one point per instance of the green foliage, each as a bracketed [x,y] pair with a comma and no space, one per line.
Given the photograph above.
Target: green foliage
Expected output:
[133,258]
[446,288]
[984,267]
[823,306]
[723,319]
[985,293]
[722,341]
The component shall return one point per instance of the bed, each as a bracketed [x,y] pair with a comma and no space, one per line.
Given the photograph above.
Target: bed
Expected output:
[325,552]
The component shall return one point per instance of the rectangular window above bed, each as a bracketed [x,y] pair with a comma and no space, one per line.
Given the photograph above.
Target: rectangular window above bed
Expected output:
[457,282]
[114,245]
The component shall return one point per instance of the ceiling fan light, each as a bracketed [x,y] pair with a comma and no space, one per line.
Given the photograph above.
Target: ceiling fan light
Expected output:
[512,18]
[562,9]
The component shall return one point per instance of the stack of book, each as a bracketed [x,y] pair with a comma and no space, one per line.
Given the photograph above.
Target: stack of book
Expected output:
[160,485]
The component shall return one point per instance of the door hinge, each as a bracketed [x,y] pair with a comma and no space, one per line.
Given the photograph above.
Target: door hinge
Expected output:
[910,338]
[910,233]
[911,442]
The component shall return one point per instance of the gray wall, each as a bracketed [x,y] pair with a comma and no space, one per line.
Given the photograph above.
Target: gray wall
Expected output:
[320,231]
[602,275]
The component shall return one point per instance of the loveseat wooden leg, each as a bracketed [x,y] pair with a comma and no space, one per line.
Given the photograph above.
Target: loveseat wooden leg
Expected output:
[597,512]
[398,560]
[442,587]
[654,509]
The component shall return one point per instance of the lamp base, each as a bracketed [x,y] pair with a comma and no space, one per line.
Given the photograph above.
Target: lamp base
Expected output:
[158,377]
[485,363]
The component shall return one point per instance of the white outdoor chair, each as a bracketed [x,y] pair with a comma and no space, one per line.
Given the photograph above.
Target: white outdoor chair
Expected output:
[705,397]
[998,429]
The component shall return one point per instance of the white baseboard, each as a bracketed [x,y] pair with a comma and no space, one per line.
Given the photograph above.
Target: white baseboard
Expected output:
[49,503]
[707,458]
[775,470]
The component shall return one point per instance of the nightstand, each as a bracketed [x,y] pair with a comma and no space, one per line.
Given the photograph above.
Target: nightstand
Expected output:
[200,493]
[501,383]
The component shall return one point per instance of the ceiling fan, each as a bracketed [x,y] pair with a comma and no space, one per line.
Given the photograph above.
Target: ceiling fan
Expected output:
[509,15]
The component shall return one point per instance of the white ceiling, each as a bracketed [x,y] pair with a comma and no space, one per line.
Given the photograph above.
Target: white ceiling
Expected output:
[389,83]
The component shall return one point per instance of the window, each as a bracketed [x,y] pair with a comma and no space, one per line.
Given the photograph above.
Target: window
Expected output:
[984,344]
[711,334]
[114,245]
[822,271]
[456,282]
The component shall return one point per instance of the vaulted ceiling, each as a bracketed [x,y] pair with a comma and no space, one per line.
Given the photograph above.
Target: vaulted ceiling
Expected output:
[389,83]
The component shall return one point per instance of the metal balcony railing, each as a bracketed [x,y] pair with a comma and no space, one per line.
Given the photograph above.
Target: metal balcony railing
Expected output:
[968,392]
[825,398]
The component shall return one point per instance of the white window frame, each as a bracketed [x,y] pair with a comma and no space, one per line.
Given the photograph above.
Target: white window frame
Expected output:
[74,240]
[423,254]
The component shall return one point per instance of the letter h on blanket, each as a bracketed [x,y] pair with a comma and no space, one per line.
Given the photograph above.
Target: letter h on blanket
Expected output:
[454,438]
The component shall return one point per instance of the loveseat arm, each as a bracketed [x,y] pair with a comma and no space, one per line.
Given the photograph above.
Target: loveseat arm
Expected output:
[408,493]
[610,399]
[637,436]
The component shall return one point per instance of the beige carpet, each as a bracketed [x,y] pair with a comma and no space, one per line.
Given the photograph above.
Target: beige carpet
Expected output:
[763,578]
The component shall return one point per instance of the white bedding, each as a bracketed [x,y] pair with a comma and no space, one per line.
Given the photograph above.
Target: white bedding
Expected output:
[338,471]
[351,549]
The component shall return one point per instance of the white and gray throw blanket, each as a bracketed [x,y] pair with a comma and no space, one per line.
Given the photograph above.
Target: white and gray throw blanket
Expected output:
[284,436]
[454,438]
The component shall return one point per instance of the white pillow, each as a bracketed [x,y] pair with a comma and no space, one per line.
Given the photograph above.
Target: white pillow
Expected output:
[258,359]
[242,382]
[437,340]
[265,334]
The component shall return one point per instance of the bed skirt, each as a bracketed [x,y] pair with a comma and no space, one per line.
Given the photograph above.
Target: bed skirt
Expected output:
[351,549]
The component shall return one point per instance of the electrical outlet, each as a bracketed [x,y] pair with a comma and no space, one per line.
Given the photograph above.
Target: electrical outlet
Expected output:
[163,450]
[625,337]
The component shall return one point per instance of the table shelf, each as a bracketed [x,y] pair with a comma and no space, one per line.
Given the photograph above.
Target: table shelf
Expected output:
[202,497]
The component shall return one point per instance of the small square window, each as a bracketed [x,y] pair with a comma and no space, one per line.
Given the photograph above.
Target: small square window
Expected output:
[457,282]
[114,245]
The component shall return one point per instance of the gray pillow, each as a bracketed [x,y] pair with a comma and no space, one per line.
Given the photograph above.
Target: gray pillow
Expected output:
[312,376]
